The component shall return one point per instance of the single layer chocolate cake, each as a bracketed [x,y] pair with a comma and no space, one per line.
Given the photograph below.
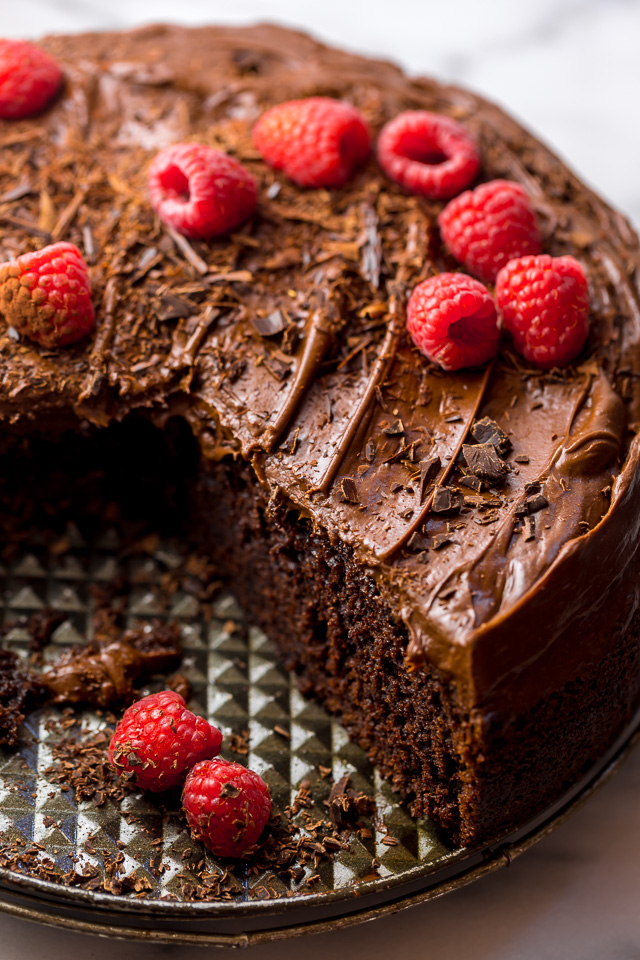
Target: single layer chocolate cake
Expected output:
[448,561]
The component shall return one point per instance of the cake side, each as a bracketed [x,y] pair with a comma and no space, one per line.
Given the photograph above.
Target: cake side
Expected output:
[477,773]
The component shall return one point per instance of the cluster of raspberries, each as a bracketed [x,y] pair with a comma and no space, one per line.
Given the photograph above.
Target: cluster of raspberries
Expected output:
[319,142]
[159,745]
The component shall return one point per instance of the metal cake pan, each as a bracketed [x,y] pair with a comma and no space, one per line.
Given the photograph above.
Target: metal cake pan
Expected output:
[239,683]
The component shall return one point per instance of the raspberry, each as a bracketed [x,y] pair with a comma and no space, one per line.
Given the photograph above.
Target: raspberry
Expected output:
[428,154]
[486,227]
[46,295]
[452,319]
[199,191]
[318,142]
[158,741]
[29,79]
[227,806]
[544,303]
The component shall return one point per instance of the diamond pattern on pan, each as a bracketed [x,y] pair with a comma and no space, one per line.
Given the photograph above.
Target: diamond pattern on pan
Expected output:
[238,682]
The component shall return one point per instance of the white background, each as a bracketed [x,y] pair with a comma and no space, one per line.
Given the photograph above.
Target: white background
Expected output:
[570,70]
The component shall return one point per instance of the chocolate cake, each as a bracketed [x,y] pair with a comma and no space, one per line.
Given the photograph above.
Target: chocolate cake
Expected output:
[448,561]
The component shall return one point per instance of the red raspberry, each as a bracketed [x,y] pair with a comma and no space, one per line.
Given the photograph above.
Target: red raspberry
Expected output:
[318,142]
[486,227]
[227,806]
[452,319]
[158,741]
[428,154]
[29,79]
[199,191]
[46,295]
[544,303]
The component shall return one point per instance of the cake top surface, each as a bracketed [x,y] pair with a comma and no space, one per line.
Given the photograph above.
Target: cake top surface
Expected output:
[285,343]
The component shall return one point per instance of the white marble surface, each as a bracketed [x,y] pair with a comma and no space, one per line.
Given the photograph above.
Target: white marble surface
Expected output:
[570,70]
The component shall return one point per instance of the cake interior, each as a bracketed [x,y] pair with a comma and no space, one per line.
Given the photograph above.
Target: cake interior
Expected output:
[476,775]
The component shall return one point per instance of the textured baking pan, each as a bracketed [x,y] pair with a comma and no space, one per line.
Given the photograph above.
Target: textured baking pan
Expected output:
[388,860]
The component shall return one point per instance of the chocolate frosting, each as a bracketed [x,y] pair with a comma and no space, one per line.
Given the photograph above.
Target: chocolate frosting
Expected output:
[285,344]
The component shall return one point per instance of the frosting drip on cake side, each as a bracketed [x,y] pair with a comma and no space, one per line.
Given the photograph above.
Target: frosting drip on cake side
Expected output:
[285,343]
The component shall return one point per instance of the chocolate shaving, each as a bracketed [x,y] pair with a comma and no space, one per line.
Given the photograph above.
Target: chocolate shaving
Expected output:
[489,517]
[349,490]
[536,502]
[347,806]
[187,251]
[371,252]
[173,307]
[404,452]
[270,325]
[429,470]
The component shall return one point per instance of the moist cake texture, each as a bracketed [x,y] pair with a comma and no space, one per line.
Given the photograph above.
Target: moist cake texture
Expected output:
[476,632]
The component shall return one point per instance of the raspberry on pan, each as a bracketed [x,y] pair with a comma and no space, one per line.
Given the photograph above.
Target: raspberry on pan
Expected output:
[317,142]
[29,79]
[227,806]
[428,153]
[158,740]
[199,191]
[544,302]
[486,227]
[46,295]
[452,319]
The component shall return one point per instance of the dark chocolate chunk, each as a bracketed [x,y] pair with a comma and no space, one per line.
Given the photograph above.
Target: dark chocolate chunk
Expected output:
[446,500]
[529,528]
[393,429]
[370,451]
[349,490]
[488,431]
[270,325]
[537,502]
[441,540]
[484,463]
[474,483]
[521,458]
[429,470]
[173,307]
